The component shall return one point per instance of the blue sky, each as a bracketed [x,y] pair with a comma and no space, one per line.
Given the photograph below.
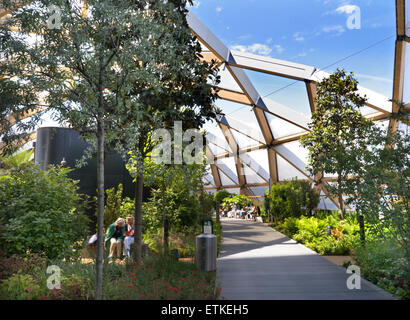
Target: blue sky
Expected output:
[311,32]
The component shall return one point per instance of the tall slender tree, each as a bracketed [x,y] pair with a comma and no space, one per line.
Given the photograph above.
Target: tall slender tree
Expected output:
[173,85]
[98,65]
[338,131]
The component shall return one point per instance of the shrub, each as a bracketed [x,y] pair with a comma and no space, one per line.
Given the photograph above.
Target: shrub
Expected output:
[19,287]
[238,199]
[291,199]
[386,264]
[29,263]
[289,226]
[220,195]
[312,232]
[74,287]
[41,212]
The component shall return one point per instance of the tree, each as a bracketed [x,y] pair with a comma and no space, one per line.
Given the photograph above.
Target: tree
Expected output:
[291,199]
[173,91]
[85,63]
[17,101]
[220,195]
[381,187]
[41,212]
[176,193]
[339,132]
[15,161]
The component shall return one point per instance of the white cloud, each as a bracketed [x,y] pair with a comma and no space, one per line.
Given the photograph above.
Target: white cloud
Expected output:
[370,77]
[298,37]
[256,48]
[337,29]
[279,49]
[348,9]
[218,9]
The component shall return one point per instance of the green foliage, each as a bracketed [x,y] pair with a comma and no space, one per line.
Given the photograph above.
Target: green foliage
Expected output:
[239,200]
[220,195]
[116,206]
[159,277]
[339,133]
[291,199]
[17,100]
[312,232]
[380,188]
[19,287]
[15,161]
[386,264]
[186,202]
[41,212]
[73,287]
[27,264]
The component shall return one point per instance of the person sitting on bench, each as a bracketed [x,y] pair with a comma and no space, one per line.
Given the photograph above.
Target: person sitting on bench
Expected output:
[129,235]
[114,237]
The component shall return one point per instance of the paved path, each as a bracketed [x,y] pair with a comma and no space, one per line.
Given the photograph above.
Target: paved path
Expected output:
[259,263]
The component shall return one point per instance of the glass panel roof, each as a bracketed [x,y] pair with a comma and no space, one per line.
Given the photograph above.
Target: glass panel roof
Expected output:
[406,86]
[225,180]
[326,204]
[227,165]
[281,128]
[243,141]
[251,176]
[300,152]
[286,171]
[259,191]
[215,149]
[250,127]
[287,92]
[227,81]
[259,158]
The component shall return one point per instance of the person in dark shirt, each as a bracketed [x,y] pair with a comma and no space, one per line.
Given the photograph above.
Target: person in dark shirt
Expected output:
[115,236]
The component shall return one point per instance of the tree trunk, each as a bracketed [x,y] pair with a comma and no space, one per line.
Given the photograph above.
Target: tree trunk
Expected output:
[164,220]
[218,221]
[339,194]
[139,185]
[100,204]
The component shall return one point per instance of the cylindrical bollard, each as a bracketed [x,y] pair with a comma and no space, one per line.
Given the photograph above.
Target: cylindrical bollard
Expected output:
[205,252]
[362,233]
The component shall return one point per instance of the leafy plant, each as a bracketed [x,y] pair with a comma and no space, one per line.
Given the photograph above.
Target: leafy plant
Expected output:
[339,132]
[19,287]
[220,195]
[381,186]
[239,200]
[41,212]
[386,264]
[291,199]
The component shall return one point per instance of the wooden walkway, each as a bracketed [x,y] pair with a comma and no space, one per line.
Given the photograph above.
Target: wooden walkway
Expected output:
[259,263]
